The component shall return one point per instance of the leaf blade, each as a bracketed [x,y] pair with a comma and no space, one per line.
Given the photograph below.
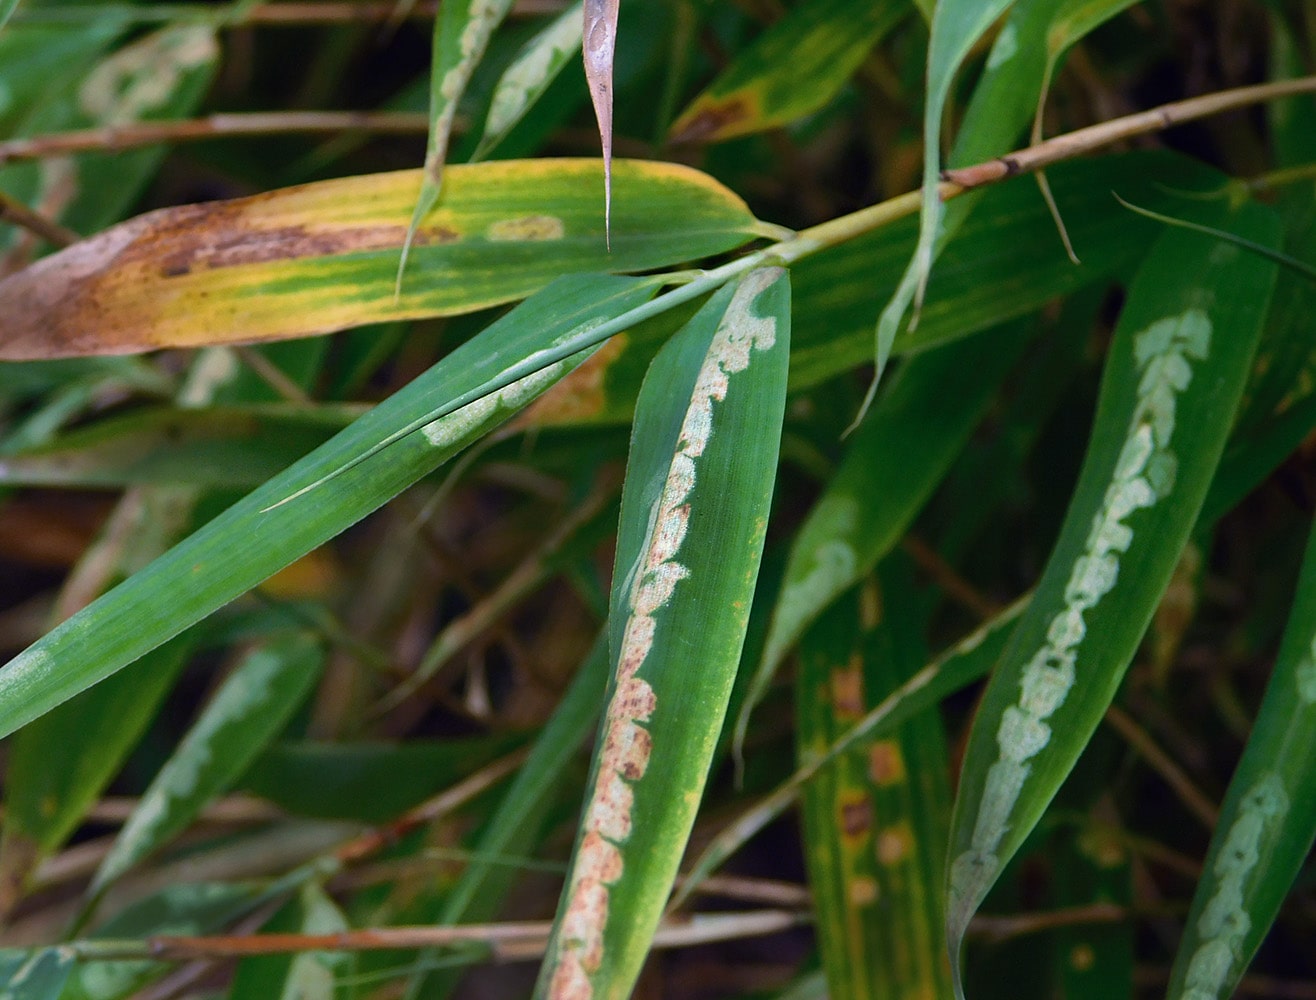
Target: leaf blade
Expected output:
[247,712]
[166,597]
[1067,656]
[698,488]
[1267,823]
[320,257]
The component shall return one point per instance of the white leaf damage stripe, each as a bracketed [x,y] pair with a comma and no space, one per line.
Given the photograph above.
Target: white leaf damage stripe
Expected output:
[1144,474]
[626,742]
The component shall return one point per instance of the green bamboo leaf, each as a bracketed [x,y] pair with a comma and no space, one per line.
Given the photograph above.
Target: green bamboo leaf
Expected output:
[1015,85]
[34,975]
[956,26]
[47,795]
[461,34]
[1267,823]
[7,8]
[963,663]
[322,257]
[894,462]
[694,514]
[484,382]
[1172,383]
[249,710]
[228,447]
[791,70]
[1249,461]
[1075,19]
[525,80]
[876,816]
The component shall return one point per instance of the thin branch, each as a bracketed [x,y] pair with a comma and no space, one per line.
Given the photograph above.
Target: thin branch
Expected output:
[507,940]
[13,210]
[114,138]
[1171,773]
[442,804]
[264,15]
[1084,140]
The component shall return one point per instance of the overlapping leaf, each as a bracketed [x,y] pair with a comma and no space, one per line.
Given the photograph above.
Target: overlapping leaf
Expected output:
[461,34]
[484,382]
[1267,823]
[892,465]
[1173,380]
[323,256]
[248,711]
[694,516]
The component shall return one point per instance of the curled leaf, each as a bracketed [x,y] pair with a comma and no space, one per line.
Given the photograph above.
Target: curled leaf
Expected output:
[599,44]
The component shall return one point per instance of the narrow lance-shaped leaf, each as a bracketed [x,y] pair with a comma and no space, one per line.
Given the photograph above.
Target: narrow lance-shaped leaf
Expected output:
[791,70]
[694,513]
[524,82]
[599,46]
[249,710]
[892,465]
[461,34]
[290,515]
[1176,370]
[321,257]
[956,25]
[1267,823]
[876,817]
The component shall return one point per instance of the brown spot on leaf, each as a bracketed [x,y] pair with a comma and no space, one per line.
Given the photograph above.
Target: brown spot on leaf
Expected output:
[847,684]
[633,755]
[1082,957]
[895,844]
[863,891]
[856,816]
[600,861]
[714,119]
[886,763]
[570,981]
[610,812]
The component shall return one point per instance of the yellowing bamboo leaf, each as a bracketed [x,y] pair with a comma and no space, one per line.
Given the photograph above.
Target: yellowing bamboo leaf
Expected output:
[791,70]
[321,257]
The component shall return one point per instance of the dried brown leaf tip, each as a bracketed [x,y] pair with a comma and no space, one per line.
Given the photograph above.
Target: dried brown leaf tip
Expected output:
[599,43]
